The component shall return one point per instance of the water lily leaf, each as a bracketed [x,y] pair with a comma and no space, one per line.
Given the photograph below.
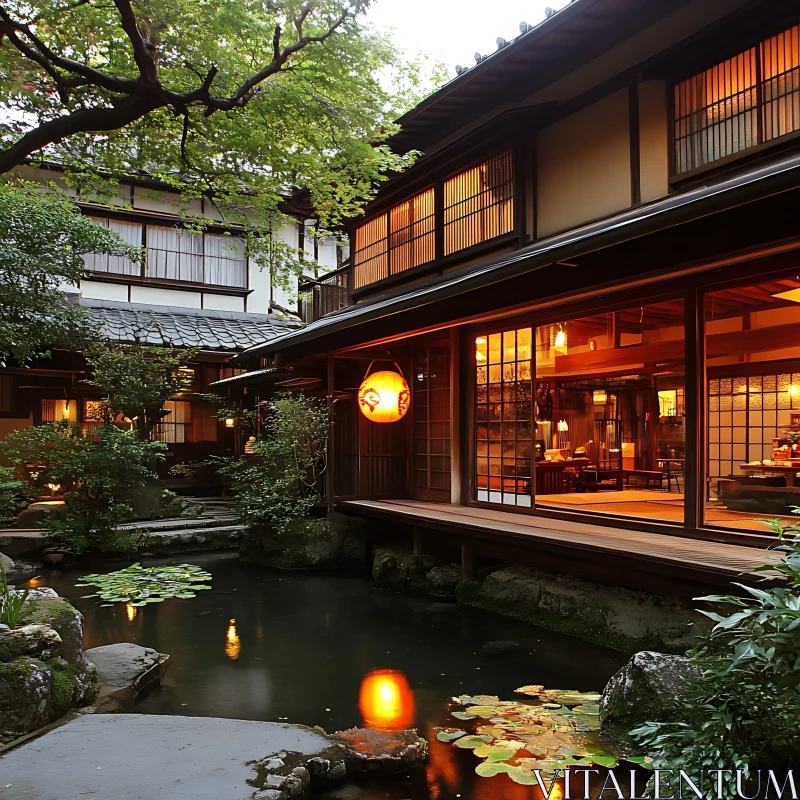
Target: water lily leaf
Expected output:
[605,761]
[450,736]
[471,742]
[485,711]
[533,690]
[490,769]
[463,715]
[644,761]
[486,699]
[523,777]
[552,705]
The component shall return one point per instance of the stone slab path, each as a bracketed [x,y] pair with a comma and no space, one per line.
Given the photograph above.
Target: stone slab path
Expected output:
[147,757]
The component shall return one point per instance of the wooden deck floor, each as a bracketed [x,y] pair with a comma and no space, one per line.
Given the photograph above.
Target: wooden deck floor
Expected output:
[690,555]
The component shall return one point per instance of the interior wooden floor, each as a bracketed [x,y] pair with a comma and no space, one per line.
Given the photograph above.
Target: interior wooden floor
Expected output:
[654,505]
[690,556]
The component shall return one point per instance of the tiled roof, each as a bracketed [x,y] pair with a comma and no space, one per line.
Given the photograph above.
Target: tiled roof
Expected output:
[226,331]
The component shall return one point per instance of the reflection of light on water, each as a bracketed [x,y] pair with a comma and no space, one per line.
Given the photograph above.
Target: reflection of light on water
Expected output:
[233,645]
[131,612]
[36,583]
[386,700]
[441,771]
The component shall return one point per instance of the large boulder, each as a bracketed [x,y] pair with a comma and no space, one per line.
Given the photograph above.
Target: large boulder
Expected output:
[651,687]
[123,671]
[338,541]
[36,513]
[43,673]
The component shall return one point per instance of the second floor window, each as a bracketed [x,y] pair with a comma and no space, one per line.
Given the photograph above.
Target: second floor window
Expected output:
[176,254]
[478,206]
[745,101]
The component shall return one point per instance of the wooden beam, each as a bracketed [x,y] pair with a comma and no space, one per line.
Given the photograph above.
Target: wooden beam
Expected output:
[455,416]
[331,466]
[695,393]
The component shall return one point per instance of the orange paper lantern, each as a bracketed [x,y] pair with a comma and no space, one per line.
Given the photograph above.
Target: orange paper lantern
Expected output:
[384,396]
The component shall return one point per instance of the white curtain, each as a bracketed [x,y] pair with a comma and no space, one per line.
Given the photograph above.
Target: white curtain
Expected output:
[131,233]
[226,261]
[175,254]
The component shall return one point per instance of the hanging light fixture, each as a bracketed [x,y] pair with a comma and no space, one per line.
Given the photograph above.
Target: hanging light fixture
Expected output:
[384,396]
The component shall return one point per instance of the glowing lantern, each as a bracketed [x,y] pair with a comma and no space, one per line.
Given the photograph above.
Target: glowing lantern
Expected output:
[386,700]
[384,396]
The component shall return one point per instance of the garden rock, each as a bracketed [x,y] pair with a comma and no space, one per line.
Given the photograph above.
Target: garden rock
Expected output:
[370,751]
[442,581]
[627,620]
[6,563]
[337,541]
[123,671]
[25,695]
[651,687]
[33,641]
[36,513]
[397,569]
[44,608]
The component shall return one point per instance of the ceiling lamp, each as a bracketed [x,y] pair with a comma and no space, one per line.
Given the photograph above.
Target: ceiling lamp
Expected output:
[599,397]
[384,396]
[561,338]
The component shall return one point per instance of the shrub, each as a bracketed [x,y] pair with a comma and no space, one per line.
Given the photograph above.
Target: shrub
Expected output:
[100,469]
[279,483]
[746,701]
[11,602]
[13,494]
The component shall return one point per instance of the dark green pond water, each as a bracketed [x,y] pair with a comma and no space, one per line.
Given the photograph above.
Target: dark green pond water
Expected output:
[297,648]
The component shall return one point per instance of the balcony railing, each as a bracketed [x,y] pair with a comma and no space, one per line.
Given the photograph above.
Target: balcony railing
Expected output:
[323,295]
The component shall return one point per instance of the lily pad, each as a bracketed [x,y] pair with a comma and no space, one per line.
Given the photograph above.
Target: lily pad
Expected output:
[471,742]
[140,585]
[450,736]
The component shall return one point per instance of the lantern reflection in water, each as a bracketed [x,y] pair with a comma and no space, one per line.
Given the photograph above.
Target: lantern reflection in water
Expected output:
[386,700]
[233,645]
[131,612]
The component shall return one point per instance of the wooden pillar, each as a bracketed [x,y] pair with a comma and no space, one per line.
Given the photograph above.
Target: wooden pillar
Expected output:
[694,465]
[419,540]
[468,572]
[331,470]
[455,416]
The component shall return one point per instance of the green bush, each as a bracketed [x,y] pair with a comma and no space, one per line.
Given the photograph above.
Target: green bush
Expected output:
[14,494]
[100,470]
[279,482]
[746,701]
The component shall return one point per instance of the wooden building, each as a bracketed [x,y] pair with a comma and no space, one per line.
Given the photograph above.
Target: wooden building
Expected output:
[590,281]
[192,290]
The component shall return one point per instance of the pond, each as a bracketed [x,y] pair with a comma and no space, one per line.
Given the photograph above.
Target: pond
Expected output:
[298,648]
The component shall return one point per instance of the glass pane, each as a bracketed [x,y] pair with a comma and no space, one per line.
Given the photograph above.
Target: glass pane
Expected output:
[754,441]
[610,407]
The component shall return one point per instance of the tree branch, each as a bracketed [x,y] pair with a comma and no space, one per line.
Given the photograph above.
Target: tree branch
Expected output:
[90,120]
[145,52]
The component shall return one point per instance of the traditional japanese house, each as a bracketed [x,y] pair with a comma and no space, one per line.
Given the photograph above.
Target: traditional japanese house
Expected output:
[590,283]
[198,290]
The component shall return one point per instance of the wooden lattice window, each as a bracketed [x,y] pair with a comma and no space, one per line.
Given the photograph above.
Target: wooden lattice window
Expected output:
[749,99]
[370,256]
[412,238]
[479,204]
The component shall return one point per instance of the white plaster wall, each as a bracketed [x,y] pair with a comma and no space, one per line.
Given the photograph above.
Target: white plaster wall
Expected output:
[98,290]
[223,302]
[584,165]
[171,298]
[163,202]
[326,254]
[258,299]
[290,234]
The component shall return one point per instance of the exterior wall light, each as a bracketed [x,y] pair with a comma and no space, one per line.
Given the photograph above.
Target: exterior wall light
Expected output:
[230,422]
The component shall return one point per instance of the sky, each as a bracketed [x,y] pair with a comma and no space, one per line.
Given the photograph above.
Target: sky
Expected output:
[453,30]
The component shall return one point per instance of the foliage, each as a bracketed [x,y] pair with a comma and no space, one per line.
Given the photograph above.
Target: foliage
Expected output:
[279,483]
[13,494]
[100,468]
[140,585]
[11,602]
[232,101]
[137,379]
[558,730]
[42,243]
[746,700]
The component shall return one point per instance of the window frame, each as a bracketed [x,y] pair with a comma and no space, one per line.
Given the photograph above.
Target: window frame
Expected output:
[752,152]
